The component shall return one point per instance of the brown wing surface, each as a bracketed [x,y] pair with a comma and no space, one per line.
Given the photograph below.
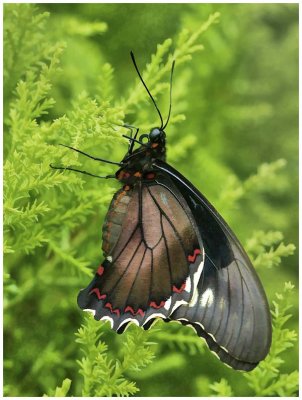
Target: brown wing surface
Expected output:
[151,262]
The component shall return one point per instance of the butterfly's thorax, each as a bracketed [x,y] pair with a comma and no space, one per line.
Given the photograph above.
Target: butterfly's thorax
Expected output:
[139,164]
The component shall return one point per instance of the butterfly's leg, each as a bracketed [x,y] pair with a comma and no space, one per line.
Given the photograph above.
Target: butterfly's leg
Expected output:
[131,144]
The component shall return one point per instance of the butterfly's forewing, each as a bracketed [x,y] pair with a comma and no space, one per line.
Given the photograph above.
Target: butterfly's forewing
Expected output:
[229,307]
[154,256]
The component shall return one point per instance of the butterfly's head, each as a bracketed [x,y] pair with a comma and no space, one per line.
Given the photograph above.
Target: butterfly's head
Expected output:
[157,135]
[155,139]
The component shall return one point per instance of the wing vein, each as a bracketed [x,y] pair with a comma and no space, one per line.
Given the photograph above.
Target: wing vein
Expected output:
[126,244]
[167,249]
[169,221]
[125,270]
[134,280]
[249,293]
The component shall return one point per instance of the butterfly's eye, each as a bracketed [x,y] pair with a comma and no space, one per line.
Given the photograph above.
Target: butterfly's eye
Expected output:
[156,134]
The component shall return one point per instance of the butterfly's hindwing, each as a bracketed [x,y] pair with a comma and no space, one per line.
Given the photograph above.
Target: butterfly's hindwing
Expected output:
[229,308]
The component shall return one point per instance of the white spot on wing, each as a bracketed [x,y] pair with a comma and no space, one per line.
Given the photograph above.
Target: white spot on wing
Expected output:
[197,274]
[177,304]
[200,324]
[182,319]
[154,322]
[188,285]
[168,303]
[109,258]
[207,298]
[154,315]
[124,322]
[135,321]
[223,348]
[194,298]
[108,319]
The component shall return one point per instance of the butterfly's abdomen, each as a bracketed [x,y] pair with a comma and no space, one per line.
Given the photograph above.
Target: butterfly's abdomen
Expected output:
[114,219]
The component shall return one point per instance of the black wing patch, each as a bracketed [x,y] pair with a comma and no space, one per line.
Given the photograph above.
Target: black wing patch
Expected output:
[153,265]
[229,307]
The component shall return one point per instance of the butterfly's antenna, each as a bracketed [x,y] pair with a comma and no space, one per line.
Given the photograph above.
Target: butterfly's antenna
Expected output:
[148,91]
[170,107]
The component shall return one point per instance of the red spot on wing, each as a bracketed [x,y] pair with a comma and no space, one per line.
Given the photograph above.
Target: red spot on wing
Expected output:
[150,175]
[97,292]
[179,290]
[192,258]
[123,175]
[139,311]
[100,270]
[116,311]
[154,305]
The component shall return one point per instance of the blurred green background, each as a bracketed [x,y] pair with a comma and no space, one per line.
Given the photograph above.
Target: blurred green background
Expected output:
[240,99]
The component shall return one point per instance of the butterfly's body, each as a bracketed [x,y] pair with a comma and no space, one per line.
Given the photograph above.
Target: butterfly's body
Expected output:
[169,254]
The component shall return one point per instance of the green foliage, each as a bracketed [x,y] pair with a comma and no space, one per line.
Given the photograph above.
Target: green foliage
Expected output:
[267,380]
[222,388]
[104,375]
[24,27]
[266,179]
[156,70]
[272,257]
[60,88]
[63,390]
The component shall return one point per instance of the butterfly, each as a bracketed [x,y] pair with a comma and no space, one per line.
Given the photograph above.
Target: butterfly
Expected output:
[169,254]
